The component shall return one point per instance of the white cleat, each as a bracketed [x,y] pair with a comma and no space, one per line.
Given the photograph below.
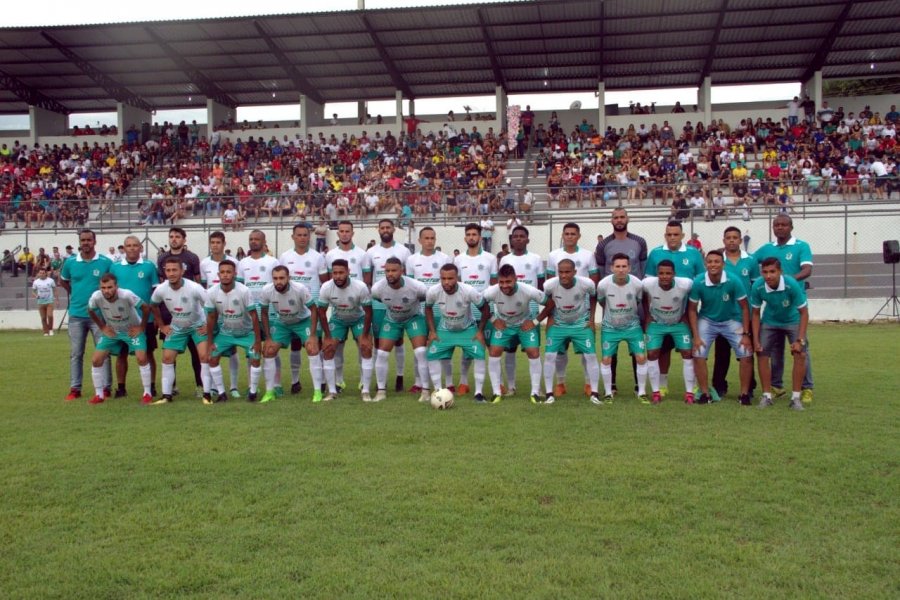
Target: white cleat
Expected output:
[380,395]
[366,397]
[329,397]
[425,396]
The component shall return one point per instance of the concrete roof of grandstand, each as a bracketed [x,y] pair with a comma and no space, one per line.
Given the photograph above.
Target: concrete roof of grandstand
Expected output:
[526,47]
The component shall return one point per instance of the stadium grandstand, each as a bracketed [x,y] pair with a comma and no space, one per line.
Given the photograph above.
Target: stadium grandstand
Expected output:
[828,160]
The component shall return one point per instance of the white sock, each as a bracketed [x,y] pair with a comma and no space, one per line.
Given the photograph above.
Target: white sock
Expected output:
[98,377]
[315,371]
[146,377]
[663,377]
[653,371]
[494,371]
[214,372]
[641,372]
[296,365]
[510,370]
[534,370]
[368,365]
[690,379]
[168,379]
[422,367]
[339,364]
[269,372]
[328,369]
[277,370]
[464,366]
[480,369]
[606,372]
[205,379]
[562,363]
[255,372]
[434,370]
[584,368]
[592,369]
[400,358]
[107,373]
[234,371]
[551,368]
[381,368]
[447,370]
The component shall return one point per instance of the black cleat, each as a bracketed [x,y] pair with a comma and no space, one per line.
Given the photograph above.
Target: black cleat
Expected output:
[251,397]
[120,393]
[745,400]
[480,399]
[703,399]
[221,398]
[296,388]
[398,386]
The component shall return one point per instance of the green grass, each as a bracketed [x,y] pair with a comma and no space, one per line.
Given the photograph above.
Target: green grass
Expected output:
[293,499]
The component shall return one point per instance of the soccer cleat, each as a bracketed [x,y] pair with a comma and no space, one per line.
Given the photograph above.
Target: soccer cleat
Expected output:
[703,399]
[689,397]
[463,389]
[279,391]
[207,398]
[796,405]
[96,400]
[381,395]
[267,397]
[51,333]
[766,402]
[536,399]
[120,393]
[745,400]
[587,389]
[146,399]
[452,388]
[643,399]
[234,393]
[340,387]
[74,394]
[398,384]
[663,391]
[509,393]
[106,393]
[596,399]
[296,388]
[415,389]
[317,396]
[778,392]
[366,397]
[497,399]
[329,397]
[549,399]
[560,389]
[425,396]
[608,398]
[806,396]
[166,399]
[153,390]
[198,392]
[480,399]
[656,398]
[221,398]
[714,395]
[251,397]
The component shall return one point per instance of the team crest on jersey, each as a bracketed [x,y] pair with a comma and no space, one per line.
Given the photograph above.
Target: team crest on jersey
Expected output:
[685,261]
[577,264]
[785,303]
[788,256]
[405,300]
[528,266]
[262,268]
[235,302]
[481,267]
[141,275]
[745,272]
[308,264]
[519,304]
[578,297]
[726,297]
[96,272]
[629,296]
[183,300]
[352,261]
[459,304]
[292,303]
[434,265]
[676,299]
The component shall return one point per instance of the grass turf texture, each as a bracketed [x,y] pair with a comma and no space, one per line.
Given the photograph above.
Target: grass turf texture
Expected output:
[396,499]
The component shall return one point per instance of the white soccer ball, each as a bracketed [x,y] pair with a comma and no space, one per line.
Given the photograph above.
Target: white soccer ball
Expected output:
[442,399]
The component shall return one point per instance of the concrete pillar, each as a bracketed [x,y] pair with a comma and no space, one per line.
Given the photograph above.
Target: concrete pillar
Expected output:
[216,113]
[813,88]
[601,105]
[43,122]
[502,105]
[704,100]
[362,108]
[398,96]
[130,115]
[312,114]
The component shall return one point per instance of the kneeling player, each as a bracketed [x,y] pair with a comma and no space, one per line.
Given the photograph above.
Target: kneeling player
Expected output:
[665,303]
[785,315]
[295,320]
[457,328]
[571,320]
[401,297]
[513,325]
[232,314]
[121,328]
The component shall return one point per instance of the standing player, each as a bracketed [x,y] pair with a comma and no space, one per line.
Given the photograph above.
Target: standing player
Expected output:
[796,261]
[115,312]
[457,329]
[529,269]
[80,277]
[307,267]
[425,266]
[209,276]
[378,255]
[185,300]
[665,304]
[477,269]
[571,304]
[513,324]
[44,291]
[585,266]
[688,263]
[233,314]
[620,295]
[401,296]
[351,312]
[255,271]
[723,311]
[785,315]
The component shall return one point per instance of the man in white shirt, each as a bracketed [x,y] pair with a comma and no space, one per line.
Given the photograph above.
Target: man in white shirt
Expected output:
[209,277]
[665,306]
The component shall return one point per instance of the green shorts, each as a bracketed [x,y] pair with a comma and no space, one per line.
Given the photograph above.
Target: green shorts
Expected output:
[513,336]
[610,339]
[178,340]
[45,301]
[680,333]
[340,330]
[443,347]
[581,337]
[226,344]
[114,345]
[415,327]
[283,334]
[379,315]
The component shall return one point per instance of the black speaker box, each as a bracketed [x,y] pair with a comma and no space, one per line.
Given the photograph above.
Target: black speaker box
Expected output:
[891,251]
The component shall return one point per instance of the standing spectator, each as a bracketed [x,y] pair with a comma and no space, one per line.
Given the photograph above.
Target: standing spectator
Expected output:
[793,111]
[44,291]
[321,232]
[695,242]
[487,232]
[512,222]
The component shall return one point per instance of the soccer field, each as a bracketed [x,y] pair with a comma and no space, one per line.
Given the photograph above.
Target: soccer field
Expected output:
[395,499]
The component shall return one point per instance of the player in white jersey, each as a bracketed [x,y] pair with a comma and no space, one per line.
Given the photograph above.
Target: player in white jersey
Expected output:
[513,324]
[209,276]
[44,291]
[360,268]
[401,296]
[305,266]
[621,295]
[185,300]
[233,314]
[478,270]
[665,304]
[351,312]
[457,328]
[378,255]
[585,266]
[293,317]
[529,269]
[122,318]
[425,266]
[571,304]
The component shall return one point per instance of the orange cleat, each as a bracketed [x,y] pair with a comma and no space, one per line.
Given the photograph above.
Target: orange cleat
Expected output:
[559,390]
[462,389]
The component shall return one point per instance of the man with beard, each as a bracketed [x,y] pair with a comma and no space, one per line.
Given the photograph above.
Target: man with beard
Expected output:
[209,276]
[378,256]
[255,271]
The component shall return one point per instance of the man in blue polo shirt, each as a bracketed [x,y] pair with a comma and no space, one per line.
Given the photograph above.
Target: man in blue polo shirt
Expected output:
[80,277]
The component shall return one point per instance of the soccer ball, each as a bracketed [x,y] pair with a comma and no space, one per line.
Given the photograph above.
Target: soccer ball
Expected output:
[442,399]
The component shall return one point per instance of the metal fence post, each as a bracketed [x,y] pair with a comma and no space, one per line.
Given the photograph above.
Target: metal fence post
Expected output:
[846,250]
